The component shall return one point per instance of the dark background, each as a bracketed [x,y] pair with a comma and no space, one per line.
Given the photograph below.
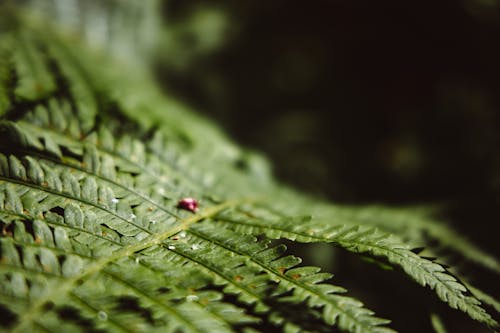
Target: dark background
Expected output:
[391,102]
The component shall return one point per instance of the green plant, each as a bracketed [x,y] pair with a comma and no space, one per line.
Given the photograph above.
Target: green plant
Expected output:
[92,164]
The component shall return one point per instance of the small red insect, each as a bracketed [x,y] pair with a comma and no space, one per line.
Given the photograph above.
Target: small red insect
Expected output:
[188,204]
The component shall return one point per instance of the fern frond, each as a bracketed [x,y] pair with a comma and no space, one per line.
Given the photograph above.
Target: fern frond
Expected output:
[80,187]
[93,162]
[305,282]
[53,269]
[416,226]
[362,239]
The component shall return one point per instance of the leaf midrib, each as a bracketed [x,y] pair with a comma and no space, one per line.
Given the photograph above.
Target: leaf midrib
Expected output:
[249,292]
[153,239]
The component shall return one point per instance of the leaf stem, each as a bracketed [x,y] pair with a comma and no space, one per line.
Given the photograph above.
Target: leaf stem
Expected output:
[155,239]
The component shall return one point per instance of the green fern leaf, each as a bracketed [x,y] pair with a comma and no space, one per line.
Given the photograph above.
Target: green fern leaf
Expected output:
[416,225]
[93,162]
[370,241]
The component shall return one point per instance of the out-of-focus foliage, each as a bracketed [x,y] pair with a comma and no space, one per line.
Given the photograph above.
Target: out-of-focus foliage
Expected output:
[388,101]
[127,29]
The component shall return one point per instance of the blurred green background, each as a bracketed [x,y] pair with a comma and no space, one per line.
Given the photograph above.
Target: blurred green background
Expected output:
[357,101]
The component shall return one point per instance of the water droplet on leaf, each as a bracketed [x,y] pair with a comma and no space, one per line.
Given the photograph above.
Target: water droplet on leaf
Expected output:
[102,315]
